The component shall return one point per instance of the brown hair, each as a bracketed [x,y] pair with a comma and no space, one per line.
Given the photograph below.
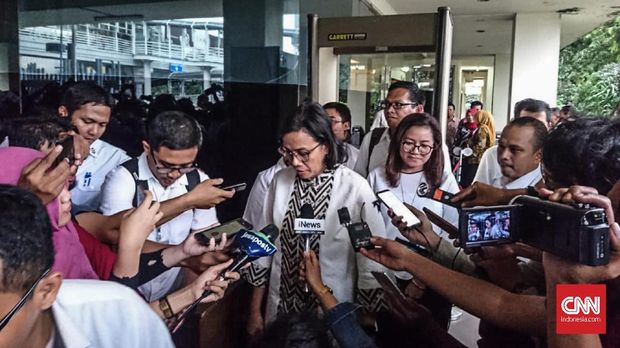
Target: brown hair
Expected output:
[433,168]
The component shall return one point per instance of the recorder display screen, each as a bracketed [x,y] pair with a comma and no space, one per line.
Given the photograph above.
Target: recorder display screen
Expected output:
[488,225]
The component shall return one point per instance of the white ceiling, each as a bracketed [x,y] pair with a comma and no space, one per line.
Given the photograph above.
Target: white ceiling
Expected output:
[496,18]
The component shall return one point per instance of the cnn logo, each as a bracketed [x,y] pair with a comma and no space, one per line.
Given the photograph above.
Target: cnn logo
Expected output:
[581,308]
[573,305]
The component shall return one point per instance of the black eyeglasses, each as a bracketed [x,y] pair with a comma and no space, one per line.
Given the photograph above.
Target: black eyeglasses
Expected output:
[22,301]
[303,156]
[423,149]
[164,169]
[397,106]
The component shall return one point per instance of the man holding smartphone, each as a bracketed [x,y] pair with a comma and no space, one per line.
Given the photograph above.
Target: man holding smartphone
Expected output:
[167,168]
[88,107]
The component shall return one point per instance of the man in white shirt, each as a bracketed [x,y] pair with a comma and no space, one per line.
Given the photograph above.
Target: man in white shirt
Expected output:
[403,99]
[39,309]
[166,168]
[89,107]
[340,115]
[489,166]
[519,152]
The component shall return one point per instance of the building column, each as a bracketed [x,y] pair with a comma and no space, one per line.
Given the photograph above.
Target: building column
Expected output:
[536,57]
[253,30]
[502,113]
[9,47]
[147,77]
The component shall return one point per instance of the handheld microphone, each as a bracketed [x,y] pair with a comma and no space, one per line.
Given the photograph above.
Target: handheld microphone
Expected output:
[359,232]
[307,226]
[250,246]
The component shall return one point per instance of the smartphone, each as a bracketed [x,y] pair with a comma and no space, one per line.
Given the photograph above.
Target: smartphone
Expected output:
[452,230]
[67,151]
[235,187]
[391,201]
[229,228]
[414,247]
[388,284]
[444,197]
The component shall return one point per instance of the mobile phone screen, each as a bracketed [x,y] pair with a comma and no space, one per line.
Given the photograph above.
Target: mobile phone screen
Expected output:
[391,201]
[229,228]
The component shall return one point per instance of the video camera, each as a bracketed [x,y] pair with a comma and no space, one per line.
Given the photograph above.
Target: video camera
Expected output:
[575,232]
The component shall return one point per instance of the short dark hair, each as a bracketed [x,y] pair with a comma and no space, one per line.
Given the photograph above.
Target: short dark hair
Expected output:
[584,151]
[175,130]
[82,93]
[452,105]
[312,119]
[476,103]
[301,330]
[341,108]
[540,131]
[26,248]
[532,105]
[32,132]
[433,168]
[415,95]
[570,111]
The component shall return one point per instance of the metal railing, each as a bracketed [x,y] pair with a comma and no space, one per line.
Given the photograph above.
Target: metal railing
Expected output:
[92,40]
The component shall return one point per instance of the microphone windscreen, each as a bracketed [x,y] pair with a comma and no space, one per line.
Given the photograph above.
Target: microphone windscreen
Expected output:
[306,212]
[271,231]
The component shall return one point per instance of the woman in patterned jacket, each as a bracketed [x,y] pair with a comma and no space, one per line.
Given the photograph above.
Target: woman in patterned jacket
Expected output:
[316,178]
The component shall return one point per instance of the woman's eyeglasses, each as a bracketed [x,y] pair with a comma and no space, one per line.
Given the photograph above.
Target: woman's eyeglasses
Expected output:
[410,147]
[302,155]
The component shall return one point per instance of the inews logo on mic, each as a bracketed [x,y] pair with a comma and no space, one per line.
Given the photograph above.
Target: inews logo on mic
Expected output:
[581,308]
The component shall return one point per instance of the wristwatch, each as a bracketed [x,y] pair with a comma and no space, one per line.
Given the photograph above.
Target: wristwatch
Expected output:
[164,305]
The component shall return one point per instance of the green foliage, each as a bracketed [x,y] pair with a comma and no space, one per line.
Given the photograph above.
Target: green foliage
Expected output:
[589,76]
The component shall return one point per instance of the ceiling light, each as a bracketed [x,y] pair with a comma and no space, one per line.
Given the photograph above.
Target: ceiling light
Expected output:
[405,69]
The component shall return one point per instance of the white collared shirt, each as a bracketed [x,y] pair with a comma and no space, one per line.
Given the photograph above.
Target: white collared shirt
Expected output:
[489,168]
[352,153]
[117,195]
[529,179]
[379,155]
[101,314]
[256,200]
[103,157]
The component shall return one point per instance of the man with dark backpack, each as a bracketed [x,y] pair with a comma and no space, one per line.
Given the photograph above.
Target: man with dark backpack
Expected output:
[404,98]
[167,168]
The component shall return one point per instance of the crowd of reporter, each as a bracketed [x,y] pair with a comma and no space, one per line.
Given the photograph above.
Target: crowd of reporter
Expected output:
[99,246]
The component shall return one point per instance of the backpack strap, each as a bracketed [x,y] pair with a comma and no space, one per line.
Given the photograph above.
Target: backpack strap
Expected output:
[193,179]
[375,136]
[132,166]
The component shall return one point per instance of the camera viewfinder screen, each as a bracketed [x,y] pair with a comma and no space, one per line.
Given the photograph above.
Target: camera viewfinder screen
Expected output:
[488,225]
